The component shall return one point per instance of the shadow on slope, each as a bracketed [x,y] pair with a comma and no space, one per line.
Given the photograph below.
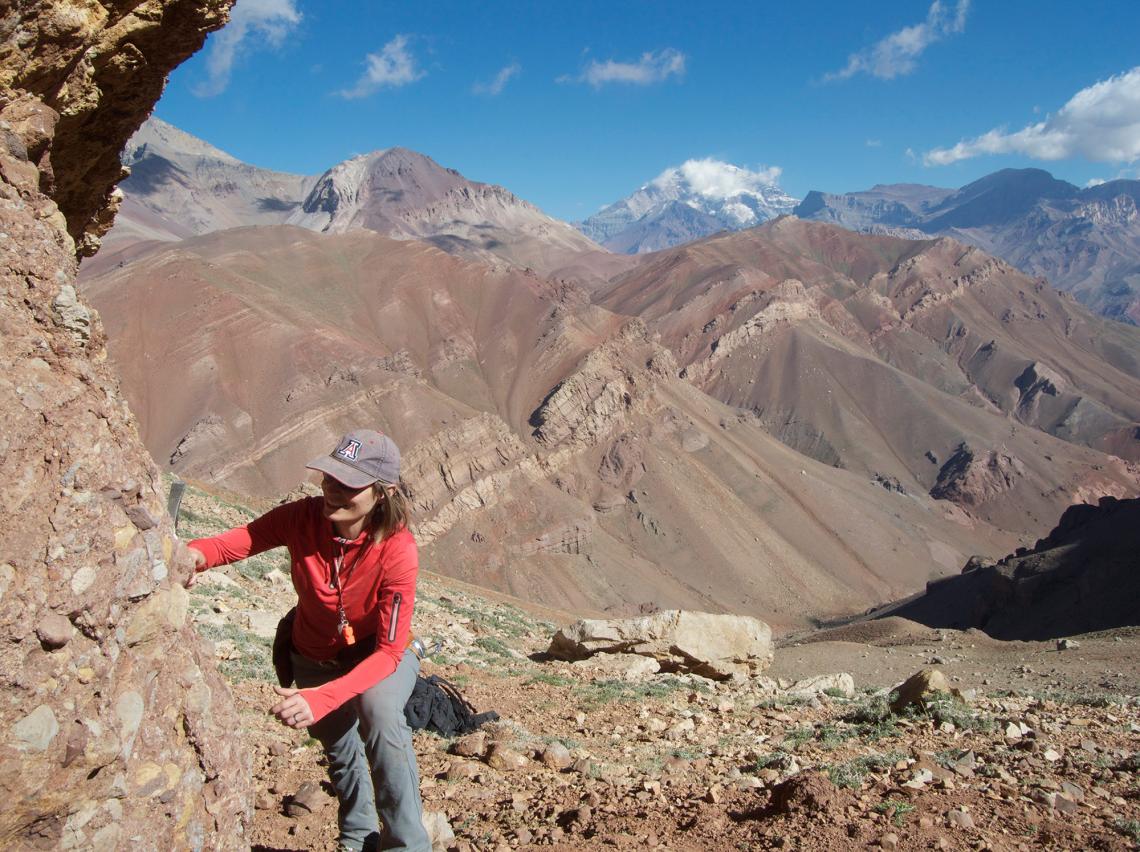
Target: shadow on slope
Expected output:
[1084,576]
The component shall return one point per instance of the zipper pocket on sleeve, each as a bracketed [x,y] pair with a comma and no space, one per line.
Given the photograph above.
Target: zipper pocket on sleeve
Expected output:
[395,617]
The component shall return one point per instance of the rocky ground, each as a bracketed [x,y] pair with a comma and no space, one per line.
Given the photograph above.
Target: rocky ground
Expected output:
[1041,751]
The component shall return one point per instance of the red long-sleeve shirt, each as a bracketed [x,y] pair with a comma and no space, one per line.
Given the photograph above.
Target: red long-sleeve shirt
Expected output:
[378,588]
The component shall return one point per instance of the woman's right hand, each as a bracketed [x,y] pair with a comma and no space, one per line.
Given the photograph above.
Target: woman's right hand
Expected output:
[199,559]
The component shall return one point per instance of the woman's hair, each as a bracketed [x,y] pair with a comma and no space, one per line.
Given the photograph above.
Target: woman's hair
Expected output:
[393,511]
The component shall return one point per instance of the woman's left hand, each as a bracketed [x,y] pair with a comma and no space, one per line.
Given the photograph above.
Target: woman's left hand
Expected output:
[292,710]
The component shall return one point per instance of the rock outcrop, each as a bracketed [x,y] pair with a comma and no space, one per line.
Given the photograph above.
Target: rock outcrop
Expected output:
[460,470]
[970,479]
[1083,576]
[100,67]
[708,644]
[117,728]
[599,395]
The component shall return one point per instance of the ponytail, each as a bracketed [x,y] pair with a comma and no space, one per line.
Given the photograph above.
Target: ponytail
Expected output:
[393,511]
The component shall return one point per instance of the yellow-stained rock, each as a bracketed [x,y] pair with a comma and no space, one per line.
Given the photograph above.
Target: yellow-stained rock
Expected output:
[124,535]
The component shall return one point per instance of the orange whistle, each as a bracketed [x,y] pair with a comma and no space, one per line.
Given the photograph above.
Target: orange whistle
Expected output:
[349,639]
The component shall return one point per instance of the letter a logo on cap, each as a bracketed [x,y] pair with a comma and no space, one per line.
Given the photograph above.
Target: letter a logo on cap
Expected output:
[350,450]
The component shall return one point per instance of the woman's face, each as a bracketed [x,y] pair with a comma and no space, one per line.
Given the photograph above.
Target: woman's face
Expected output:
[344,505]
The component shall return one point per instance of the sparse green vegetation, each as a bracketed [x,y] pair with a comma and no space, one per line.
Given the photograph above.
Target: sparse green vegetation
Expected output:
[852,773]
[847,775]
[254,661]
[796,737]
[827,736]
[871,710]
[610,691]
[501,618]
[1073,698]
[946,708]
[766,760]
[781,701]
[494,646]
[831,736]
[896,809]
[1086,699]
[550,679]
[872,718]
[1128,827]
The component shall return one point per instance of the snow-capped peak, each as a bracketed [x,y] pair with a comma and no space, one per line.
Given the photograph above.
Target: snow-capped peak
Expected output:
[714,179]
[729,196]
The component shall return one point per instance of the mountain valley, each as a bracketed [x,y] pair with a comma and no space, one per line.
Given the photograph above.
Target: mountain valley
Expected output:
[748,421]
[882,444]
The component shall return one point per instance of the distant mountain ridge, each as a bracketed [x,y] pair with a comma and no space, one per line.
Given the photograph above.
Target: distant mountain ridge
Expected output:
[181,186]
[687,202]
[1084,241]
[407,195]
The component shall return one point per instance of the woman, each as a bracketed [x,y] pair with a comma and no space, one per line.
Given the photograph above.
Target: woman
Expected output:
[354,566]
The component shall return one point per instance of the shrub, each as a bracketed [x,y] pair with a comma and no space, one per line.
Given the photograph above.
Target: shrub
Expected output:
[852,773]
[1128,827]
[945,708]
[895,809]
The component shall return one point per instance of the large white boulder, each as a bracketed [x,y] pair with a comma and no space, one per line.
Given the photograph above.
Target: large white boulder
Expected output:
[704,643]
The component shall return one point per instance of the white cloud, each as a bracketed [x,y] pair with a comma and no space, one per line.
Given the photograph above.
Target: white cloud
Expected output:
[1100,123]
[393,66]
[874,143]
[897,54]
[1094,182]
[497,85]
[652,67]
[717,179]
[269,21]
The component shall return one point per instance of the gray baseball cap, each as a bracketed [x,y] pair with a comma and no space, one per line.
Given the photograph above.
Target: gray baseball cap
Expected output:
[360,458]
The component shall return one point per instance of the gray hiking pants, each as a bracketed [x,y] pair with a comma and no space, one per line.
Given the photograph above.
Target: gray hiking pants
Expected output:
[372,764]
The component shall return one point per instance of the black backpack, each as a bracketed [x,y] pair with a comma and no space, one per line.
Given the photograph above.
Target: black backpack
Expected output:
[435,704]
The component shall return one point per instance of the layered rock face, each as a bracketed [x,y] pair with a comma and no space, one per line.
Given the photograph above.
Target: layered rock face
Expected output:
[116,731]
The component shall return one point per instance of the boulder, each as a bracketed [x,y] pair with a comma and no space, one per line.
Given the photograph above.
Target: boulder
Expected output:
[439,830]
[505,758]
[808,792]
[557,756]
[920,688]
[708,644]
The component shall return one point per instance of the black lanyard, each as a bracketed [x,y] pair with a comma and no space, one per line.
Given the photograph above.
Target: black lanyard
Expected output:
[335,582]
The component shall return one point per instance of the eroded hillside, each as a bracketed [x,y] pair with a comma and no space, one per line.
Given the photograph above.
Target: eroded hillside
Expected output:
[788,421]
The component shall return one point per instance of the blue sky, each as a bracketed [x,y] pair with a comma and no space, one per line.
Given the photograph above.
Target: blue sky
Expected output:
[575,105]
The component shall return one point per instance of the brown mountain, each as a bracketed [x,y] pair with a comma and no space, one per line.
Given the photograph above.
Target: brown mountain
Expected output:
[1084,241]
[554,450]
[181,186]
[926,363]
[262,326]
[404,194]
